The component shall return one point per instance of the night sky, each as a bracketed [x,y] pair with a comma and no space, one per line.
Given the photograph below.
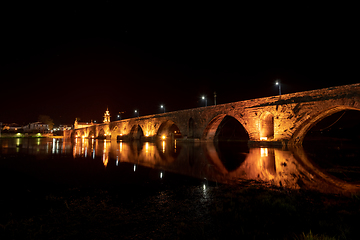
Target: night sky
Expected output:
[72,59]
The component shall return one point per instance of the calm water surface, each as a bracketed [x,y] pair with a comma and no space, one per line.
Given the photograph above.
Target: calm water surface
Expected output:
[223,162]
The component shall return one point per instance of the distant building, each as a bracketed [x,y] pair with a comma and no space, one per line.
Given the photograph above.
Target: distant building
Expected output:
[61,128]
[78,124]
[36,127]
[11,127]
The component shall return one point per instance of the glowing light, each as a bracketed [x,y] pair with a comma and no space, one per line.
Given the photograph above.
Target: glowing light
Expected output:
[105,160]
[134,167]
[264,152]
[161,175]
[146,147]
[163,137]
[163,146]
[263,138]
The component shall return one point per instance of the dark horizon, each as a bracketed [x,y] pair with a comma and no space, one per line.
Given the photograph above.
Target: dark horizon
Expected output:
[74,61]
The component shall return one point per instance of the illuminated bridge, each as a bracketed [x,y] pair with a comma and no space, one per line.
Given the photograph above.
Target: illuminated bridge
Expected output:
[282,119]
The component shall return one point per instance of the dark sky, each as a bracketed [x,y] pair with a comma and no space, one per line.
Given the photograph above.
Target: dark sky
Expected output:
[75,59]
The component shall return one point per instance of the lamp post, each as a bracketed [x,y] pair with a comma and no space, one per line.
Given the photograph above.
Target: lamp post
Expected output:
[204,98]
[136,112]
[278,84]
[162,107]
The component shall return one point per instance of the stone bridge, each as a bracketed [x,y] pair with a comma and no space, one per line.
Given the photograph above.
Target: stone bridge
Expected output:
[282,119]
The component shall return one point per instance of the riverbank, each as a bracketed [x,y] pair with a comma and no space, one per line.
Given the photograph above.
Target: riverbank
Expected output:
[29,135]
[178,208]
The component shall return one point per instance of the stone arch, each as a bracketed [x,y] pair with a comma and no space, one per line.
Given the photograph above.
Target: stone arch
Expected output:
[231,129]
[91,134]
[169,128]
[212,127]
[79,133]
[266,126]
[312,119]
[191,128]
[101,133]
[136,132]
[73,134]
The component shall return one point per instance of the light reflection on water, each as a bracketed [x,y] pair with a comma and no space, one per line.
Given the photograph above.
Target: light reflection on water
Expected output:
[217,162]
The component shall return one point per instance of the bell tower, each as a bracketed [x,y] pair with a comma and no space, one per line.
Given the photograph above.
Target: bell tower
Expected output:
[107,116]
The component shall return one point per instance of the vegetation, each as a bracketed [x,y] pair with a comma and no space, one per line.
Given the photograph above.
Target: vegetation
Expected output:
[47,120]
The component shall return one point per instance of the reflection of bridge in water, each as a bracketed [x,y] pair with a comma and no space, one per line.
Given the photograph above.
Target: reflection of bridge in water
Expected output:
[208,160]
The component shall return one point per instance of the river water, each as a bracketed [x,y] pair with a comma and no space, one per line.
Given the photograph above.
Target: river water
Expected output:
[58,160]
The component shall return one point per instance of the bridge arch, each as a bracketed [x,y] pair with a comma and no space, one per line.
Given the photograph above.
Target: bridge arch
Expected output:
[73,134]
[91,134]
[313,118]
[79,133]
[169,128]
[136,132]
[215,125]
[101,133]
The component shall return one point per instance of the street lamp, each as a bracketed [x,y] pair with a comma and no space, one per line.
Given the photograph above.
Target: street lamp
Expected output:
[136,112]
[162,107]
[204,98]
[278,84]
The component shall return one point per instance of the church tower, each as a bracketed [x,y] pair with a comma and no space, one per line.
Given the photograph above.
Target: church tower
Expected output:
[107,116]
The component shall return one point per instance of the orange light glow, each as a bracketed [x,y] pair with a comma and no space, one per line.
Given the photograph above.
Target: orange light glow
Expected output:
[146,147]
[263,138]
[163,137]
[264,152]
